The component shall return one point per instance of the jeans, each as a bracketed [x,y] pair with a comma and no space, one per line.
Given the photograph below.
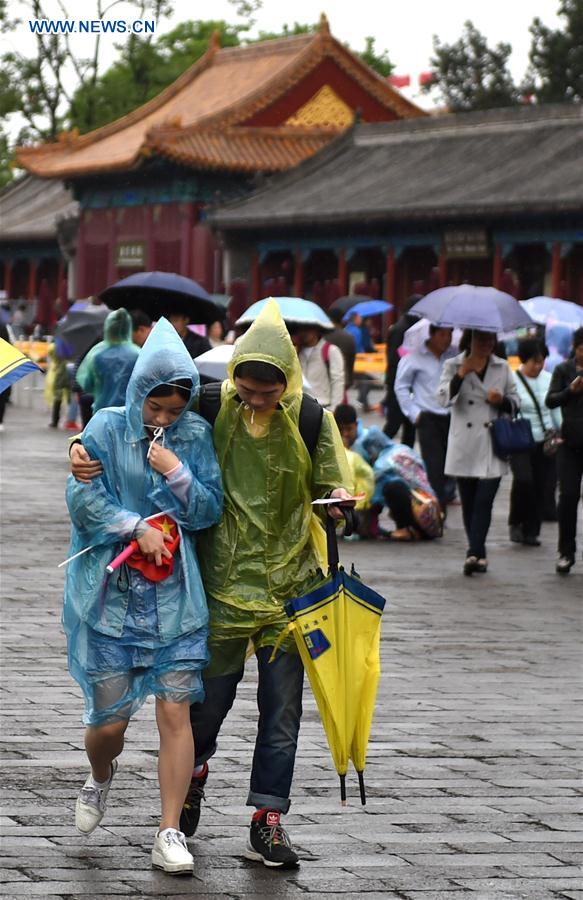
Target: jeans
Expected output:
[570,472]
[279,700]
[433,431]
[477,497]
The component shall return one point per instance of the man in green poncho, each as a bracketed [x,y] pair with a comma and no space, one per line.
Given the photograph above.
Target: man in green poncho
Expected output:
[265,550]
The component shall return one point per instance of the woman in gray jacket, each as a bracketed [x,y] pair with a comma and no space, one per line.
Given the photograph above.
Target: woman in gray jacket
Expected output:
[477,385]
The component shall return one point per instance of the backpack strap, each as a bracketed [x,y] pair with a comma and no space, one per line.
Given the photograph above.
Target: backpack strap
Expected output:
[310,419]
[326,356]
[209,401]
[310,422]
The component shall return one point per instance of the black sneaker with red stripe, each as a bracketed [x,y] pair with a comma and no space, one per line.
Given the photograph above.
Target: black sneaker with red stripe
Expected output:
[190,815]
[269,842]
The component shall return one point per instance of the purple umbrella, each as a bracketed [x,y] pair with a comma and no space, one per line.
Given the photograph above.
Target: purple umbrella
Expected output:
[468,306]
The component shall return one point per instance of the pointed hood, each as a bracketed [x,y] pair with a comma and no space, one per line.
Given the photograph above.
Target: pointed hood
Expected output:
[268,341]
[117,328]
[162,359]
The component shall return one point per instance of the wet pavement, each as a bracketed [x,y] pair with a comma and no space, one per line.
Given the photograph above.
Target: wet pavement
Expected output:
[473,775]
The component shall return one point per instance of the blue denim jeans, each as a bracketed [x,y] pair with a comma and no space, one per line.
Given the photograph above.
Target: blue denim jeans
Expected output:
[279,700]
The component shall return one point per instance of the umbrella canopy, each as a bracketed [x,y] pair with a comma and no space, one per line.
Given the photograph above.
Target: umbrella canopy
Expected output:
[294,311]
[213,363]
[552,311]
[80,330]
[368,308]
[161,293]
[346,303]
[337,631]
[417,334]
[13,365]
[468,306]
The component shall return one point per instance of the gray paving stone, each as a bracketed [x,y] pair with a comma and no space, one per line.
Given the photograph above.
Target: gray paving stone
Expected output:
[473,772]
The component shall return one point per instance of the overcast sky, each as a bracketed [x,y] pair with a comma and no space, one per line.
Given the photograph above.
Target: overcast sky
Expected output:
[405,29]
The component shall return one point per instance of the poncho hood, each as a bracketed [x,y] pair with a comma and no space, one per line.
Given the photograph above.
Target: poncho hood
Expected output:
[162,359]
[268,341]
[117,328]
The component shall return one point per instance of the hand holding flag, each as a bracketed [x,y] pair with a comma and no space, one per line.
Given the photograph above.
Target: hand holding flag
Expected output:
[152,554]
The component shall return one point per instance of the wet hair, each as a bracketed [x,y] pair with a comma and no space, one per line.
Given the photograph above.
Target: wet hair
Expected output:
[260,371]
[140,319]
[577,337]
[529,348]
[345,414]
[434,328]
[182,387]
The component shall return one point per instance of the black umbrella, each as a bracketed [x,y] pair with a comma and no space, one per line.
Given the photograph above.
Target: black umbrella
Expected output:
[346,303]
[162,293]
[80,330]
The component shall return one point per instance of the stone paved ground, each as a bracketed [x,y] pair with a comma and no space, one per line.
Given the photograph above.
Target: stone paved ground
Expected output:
[473,773]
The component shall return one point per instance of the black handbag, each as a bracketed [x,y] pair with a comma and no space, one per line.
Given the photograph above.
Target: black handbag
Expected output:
[511,436]
[551,437]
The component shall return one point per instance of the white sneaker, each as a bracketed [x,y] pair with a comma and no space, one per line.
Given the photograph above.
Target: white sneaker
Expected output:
[171,853]
[90,807]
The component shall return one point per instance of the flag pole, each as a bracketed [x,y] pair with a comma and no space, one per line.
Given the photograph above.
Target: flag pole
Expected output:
[164,512]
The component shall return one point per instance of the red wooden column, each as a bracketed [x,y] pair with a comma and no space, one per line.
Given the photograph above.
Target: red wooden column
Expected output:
[255,277]
[79,287]
[342,271]
[32,269]
[497,266]
[556,266]
[390,270]
[298,273]
[8,278]
[442,266]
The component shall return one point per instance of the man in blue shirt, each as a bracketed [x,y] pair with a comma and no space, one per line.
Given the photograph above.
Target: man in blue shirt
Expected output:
[418,376]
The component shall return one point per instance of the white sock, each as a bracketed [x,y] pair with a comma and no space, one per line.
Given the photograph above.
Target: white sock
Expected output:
[101,784]
[198,770]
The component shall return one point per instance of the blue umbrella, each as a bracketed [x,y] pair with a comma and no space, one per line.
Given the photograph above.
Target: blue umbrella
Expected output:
[368,308]
[552,311]
[161,293]
[294,311]
[468,306]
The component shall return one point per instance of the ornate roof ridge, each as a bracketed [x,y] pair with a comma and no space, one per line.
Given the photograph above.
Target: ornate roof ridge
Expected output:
[265,48]
[130,118]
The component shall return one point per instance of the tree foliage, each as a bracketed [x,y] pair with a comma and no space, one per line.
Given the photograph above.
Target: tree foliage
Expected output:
[469,74]
[555,73]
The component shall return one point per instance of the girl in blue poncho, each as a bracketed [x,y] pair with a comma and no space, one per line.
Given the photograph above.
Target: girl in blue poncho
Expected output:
[130,635]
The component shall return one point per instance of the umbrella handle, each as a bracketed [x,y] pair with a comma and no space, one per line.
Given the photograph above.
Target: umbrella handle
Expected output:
[331,539]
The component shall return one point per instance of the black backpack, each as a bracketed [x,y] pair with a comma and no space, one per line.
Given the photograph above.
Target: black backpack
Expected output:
[310,421]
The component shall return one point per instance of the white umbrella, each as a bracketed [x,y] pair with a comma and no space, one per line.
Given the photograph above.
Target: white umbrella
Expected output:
[214,363]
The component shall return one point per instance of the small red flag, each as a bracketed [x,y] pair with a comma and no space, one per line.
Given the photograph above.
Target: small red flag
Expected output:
[149,569]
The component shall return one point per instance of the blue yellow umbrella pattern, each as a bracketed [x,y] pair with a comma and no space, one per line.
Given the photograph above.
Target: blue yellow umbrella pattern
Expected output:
[13,365]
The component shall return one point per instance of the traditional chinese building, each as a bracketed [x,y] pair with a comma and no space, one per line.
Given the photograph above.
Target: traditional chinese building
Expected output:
[145,181]
[488,198]
[32,253]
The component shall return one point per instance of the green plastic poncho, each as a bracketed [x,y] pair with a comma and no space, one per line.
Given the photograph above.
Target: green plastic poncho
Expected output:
[106,370]
[269,544]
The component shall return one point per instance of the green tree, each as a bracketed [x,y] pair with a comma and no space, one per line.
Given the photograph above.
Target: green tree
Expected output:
[555,73]
[380,62]
[143,70]
[469,74]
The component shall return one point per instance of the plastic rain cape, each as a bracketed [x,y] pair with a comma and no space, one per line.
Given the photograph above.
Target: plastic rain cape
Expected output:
[269,543]
[106,369]
[105,512]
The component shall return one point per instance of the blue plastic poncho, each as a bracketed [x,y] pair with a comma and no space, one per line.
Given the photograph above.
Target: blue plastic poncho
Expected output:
[105,512]
[106,370]
[391,462]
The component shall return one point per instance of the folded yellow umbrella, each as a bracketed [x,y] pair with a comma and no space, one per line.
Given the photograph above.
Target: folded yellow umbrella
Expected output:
[337,630]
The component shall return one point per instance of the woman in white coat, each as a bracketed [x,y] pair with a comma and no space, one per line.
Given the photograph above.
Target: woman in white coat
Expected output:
[477,386]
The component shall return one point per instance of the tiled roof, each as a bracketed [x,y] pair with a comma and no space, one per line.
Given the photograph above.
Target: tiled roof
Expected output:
[513,161]
[222,89]
[29,209]
[240,149]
